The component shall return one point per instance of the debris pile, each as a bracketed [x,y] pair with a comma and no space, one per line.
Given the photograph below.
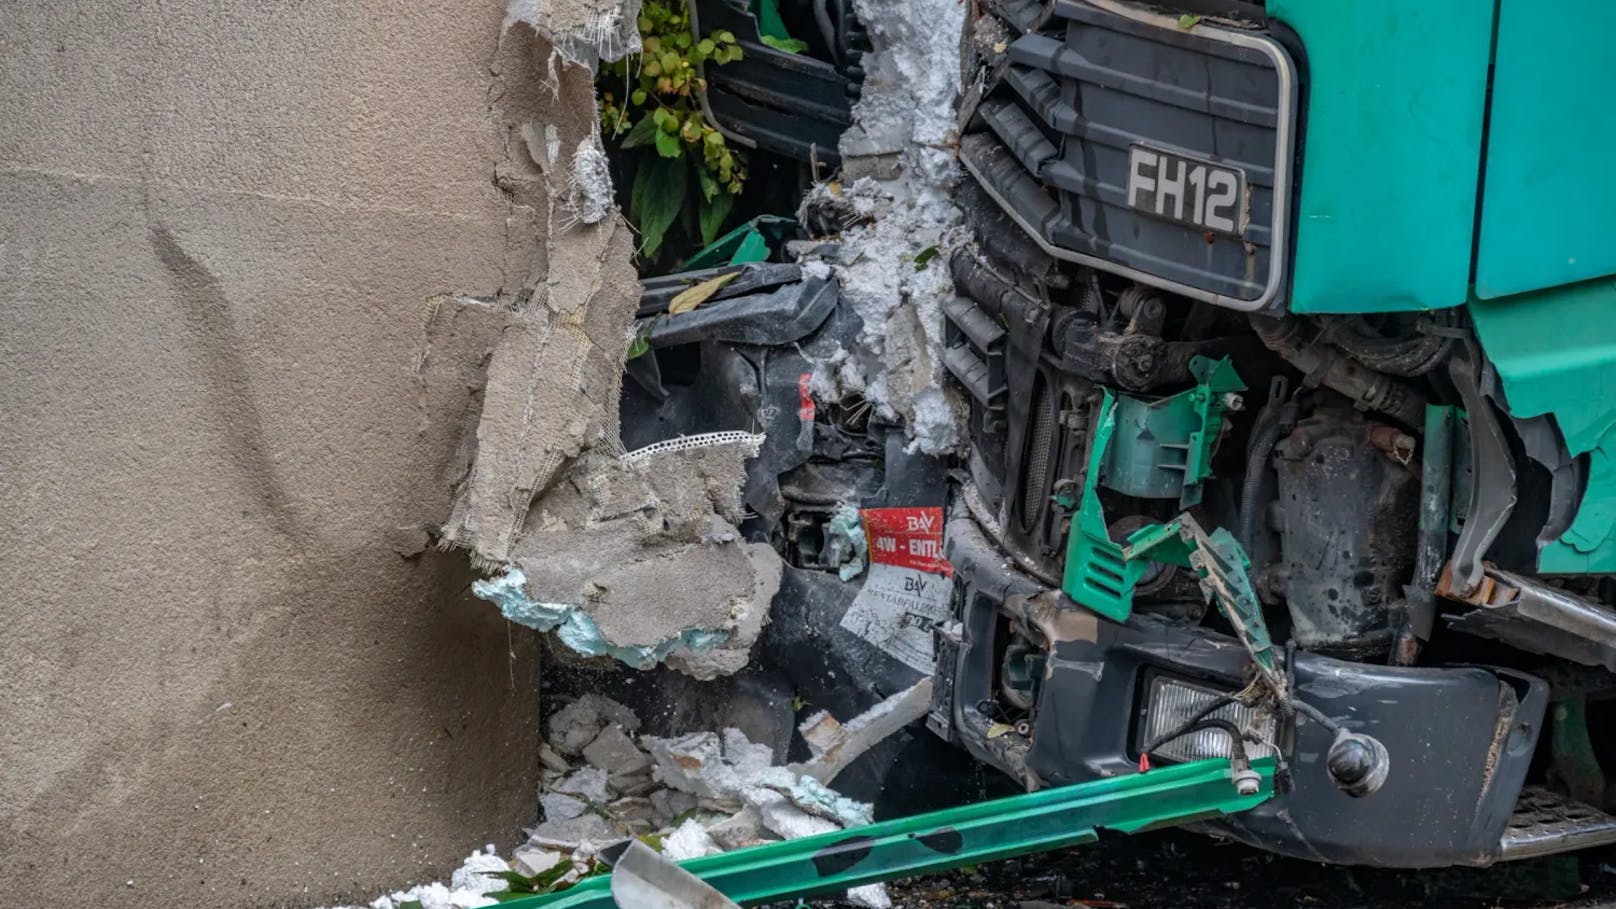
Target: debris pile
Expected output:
[695,794]
[688,796]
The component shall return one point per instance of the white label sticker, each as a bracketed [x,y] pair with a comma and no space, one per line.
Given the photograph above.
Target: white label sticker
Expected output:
[897,610]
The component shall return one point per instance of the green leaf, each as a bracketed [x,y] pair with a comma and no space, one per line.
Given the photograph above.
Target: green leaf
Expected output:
[667,145]
[789,45]
[519,883]
[692,297]
[924,256]
[637,96]
[642,133]
[1188,21]
[546,880]
[709,185]
[714,210]
[410,904]
[658,193]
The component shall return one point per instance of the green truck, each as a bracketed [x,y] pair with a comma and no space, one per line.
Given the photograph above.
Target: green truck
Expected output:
[1329,276]
[1292,406]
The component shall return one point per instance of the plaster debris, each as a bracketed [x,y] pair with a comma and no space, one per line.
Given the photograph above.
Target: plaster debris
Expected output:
[690,840]
[638,558]
[531,861]
[558,806]
[616,754]
[577,724]
[467,887]
[899,229]
[711,791]
[584,31]
[835,745]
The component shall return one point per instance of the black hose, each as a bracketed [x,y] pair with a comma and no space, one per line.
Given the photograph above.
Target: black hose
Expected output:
[1315,714]
[1256,469]
[1324,363]
[1407,356]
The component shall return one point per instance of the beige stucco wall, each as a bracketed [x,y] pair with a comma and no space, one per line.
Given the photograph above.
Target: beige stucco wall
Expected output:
[230,672]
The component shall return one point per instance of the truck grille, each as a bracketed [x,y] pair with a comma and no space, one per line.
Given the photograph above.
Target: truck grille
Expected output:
[1100,78]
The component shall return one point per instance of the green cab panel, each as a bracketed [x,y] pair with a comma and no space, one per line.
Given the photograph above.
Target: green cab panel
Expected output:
[1548,196]
[1391,151]
[1555,352]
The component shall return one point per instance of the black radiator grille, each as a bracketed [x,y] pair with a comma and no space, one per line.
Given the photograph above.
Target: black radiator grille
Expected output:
[1100,79]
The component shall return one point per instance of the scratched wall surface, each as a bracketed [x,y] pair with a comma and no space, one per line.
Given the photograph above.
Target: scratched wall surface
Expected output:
[232,671]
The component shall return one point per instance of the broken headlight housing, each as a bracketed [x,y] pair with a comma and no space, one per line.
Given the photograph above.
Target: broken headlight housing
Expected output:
[1170,702]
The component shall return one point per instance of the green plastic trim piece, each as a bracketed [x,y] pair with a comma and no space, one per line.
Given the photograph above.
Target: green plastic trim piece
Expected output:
[1097,574]
[939,840]
[1221,565]
[748,242]
[1164,446]
[769,23]
[1167,451]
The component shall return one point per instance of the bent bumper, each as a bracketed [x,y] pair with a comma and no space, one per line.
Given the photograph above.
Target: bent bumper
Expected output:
[1460,737]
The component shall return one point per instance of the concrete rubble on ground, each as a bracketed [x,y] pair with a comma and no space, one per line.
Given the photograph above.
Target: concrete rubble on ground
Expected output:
[694,795]
[699,793]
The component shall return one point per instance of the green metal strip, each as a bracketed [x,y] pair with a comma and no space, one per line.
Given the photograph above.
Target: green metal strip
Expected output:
[939,840]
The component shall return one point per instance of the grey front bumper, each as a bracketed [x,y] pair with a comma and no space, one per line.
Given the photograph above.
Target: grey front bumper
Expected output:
[1460,737]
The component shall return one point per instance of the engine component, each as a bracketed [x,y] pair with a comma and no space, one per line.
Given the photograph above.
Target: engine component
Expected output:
[1324,364]
[1415,353]
[1346,513]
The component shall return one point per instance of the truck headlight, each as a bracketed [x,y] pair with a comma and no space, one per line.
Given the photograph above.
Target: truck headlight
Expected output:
[1170,702]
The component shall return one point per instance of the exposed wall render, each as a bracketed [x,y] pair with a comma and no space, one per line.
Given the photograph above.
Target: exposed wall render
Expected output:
[634,555]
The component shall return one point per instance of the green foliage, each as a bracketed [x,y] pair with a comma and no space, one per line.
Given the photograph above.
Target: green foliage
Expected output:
[789,45]
[519,886]
[649,104]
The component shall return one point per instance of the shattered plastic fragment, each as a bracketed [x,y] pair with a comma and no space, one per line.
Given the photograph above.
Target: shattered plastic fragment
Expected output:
[578,630]
[846,543]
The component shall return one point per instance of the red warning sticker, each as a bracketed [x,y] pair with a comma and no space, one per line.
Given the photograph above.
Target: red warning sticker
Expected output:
[907,537]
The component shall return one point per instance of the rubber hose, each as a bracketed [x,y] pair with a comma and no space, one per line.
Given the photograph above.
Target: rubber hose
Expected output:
[1328,365]
[1408,357]
[1256,468]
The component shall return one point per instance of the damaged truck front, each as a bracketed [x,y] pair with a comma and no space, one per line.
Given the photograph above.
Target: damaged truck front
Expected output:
[1278,339]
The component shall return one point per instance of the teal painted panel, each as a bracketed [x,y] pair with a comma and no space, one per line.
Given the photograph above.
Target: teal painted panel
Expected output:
[1548,196]
[1555,351]
[1392,150]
